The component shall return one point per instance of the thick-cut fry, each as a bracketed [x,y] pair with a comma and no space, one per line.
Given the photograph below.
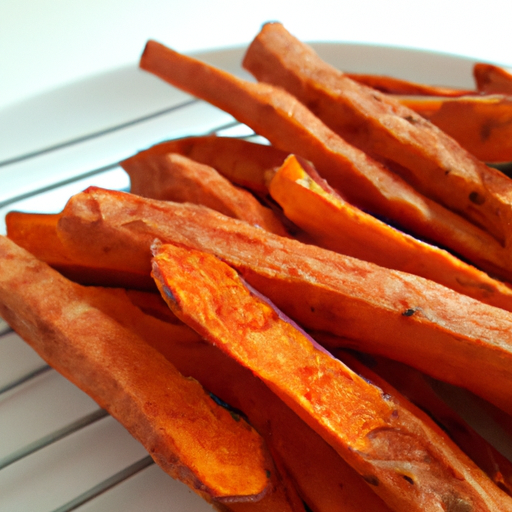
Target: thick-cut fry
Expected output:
[393,85]
[492,79]
[417,150]
[37,233]
[414,385]
[480,124]
[244,163]
[445,334]
[337,225]
[410,462]
[186,433]
[186,350]
[325,481]
[174,177]
[291,127]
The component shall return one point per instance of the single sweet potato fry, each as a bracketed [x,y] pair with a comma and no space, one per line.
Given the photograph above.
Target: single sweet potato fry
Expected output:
[492,79]
[149,317]
[410,462]
[398,315]
[289,126]
[480,124]
[324,480]
[431,161]
[186,433]
[393,85]
[242,162]
[174,177]
[337,225]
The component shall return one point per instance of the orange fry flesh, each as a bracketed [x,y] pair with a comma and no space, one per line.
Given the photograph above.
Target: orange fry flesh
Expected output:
[431,161]
[186,433]
[383,441]
[336,225]
[382,311]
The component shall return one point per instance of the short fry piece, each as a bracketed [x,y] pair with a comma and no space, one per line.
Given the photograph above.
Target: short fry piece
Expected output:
[187,434]
[37,233]
[410,463]
[492,79]
[431,161]
[393,85]
[337,225]
[242,162]
[174,177]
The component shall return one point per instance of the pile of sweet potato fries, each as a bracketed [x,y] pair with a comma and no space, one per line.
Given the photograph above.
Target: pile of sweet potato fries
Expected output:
[317,285]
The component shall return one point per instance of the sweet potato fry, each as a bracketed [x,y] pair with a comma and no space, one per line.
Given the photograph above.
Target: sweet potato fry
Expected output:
[337,225]
[393,85]
[445,334]
[480,124]
[323,479]
[242,162]
[37,233]
[186,433]
[428,159]
[492,79]
[413,385]
[410,462]
[291,127]
[174,177]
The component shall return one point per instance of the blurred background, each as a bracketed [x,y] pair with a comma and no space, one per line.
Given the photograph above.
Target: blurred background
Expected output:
[47,43]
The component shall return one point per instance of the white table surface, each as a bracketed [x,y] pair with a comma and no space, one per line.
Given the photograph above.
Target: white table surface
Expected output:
[47,43]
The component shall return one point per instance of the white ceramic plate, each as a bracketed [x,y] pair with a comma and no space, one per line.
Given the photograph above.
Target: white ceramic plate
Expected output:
[84,130]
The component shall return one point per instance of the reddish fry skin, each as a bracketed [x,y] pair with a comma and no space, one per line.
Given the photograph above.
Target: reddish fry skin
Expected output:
[174,177]
[187,434]
[37,233]
[410,462]
[244,163]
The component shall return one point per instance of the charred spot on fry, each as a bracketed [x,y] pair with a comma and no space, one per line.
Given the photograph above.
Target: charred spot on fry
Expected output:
[412,119]
[371,479]
[477,198]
